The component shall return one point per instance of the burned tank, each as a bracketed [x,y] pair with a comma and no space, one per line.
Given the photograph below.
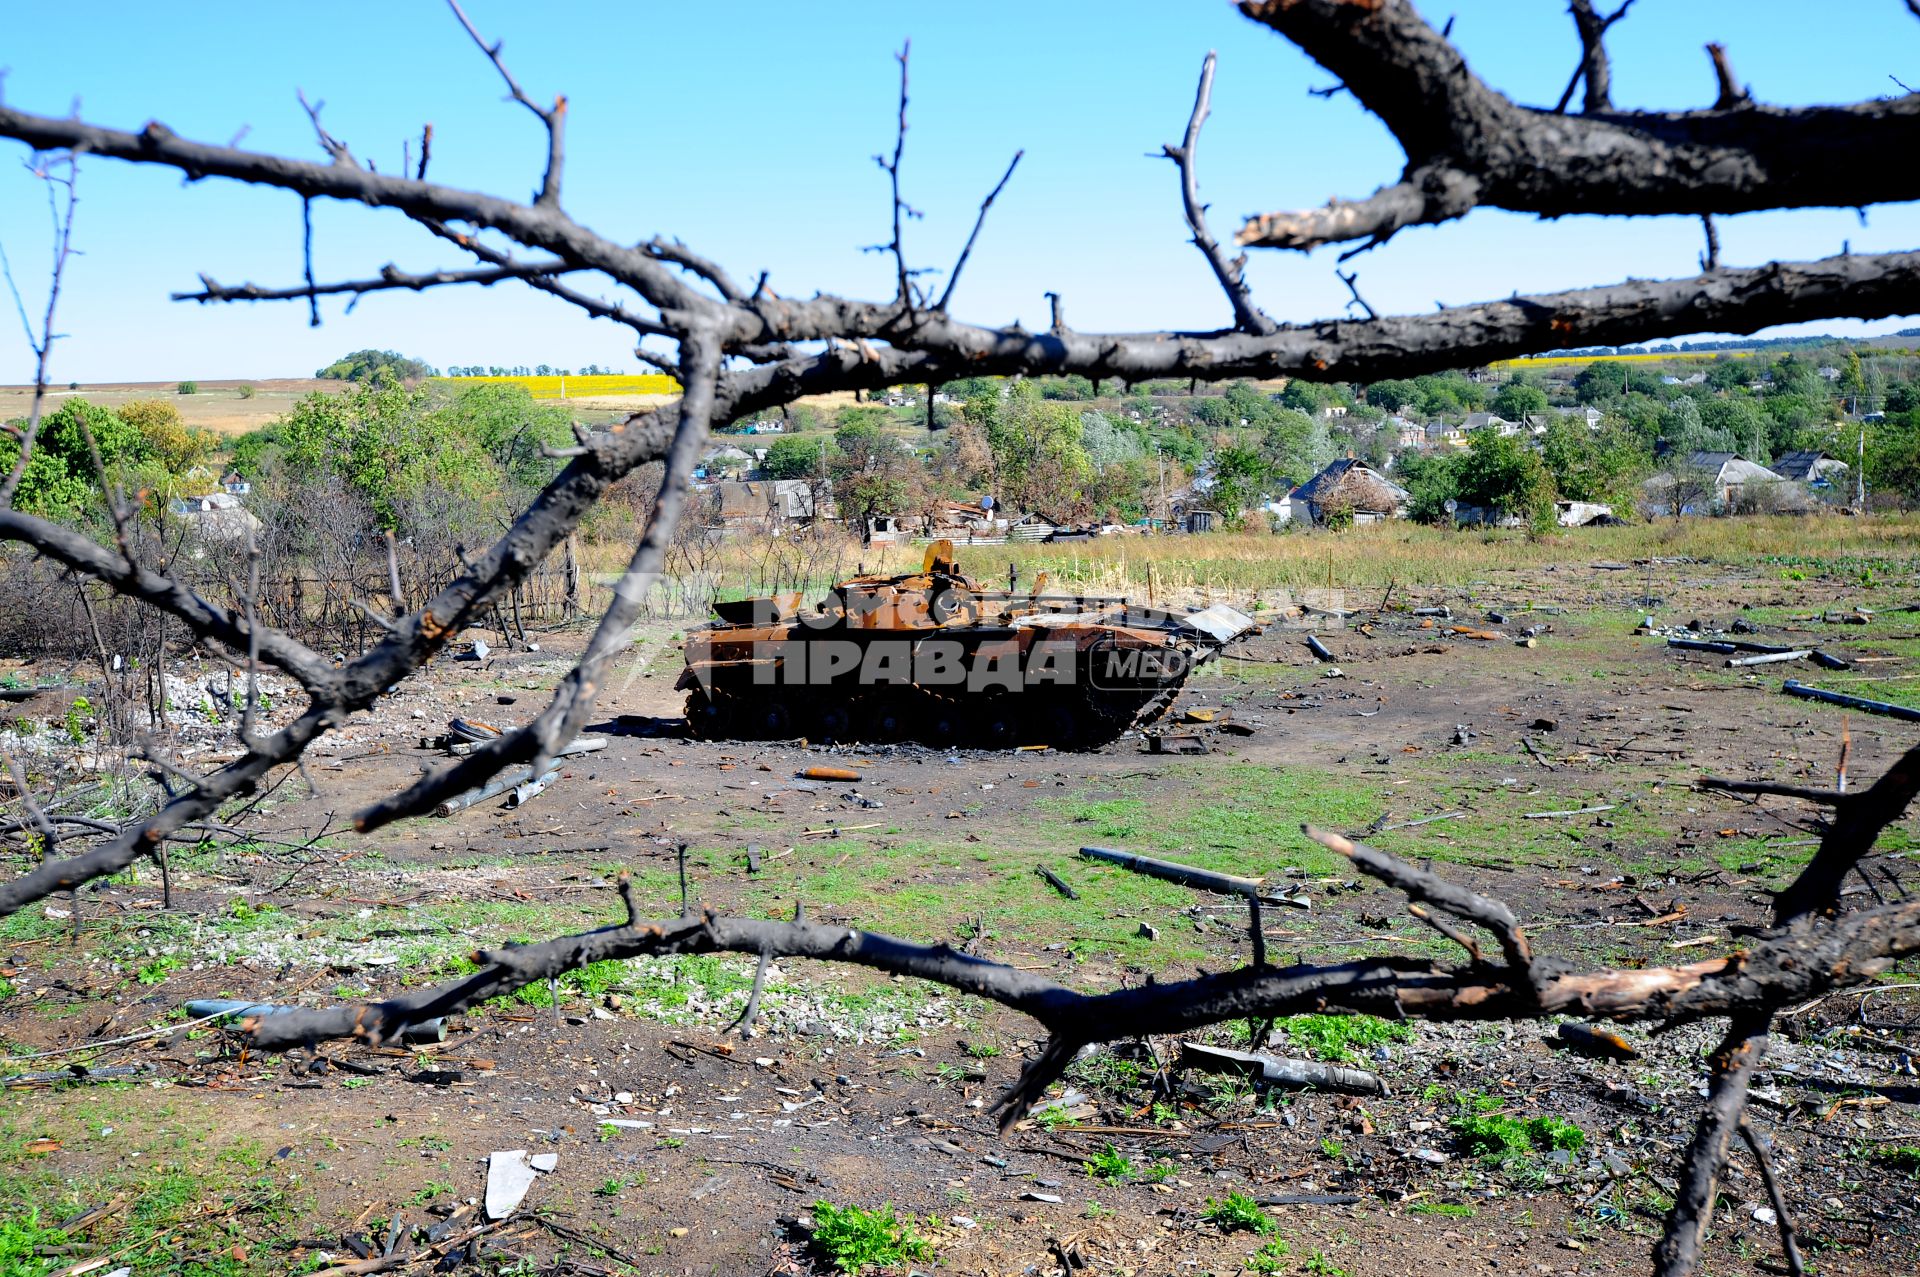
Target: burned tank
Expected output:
[937,657]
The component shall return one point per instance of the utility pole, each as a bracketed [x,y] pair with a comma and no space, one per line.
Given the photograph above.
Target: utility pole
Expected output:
[1860,473]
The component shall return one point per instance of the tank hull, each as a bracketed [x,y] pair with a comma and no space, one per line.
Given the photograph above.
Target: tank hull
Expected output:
[931,657]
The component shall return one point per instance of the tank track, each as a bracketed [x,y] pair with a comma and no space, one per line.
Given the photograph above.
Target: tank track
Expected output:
[1078,717]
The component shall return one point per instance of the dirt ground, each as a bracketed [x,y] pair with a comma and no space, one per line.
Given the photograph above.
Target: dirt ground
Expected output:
[1561,776]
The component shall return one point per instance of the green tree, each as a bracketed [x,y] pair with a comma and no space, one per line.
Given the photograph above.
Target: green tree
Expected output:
[1517,400]
[1431,480]
[60,481]
[375,365]
[1238,477]
[1038,449]
[873,474]
[794,456]
[1501,473]
[1587,465]
[1393,395]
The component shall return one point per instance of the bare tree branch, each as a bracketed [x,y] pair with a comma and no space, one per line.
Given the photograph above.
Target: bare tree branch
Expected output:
[966,251]
[1593,68]
[1467,145]
[390,277]
[1678,1251]
[1230,271]
[554,117]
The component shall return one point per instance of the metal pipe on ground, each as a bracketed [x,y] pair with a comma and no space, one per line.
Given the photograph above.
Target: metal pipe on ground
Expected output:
[1769,658]
[1278,1071]
[492,789]
[1793,687]
[1167,870]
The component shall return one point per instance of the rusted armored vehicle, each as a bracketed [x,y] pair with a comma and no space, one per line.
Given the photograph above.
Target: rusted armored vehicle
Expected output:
[937,657]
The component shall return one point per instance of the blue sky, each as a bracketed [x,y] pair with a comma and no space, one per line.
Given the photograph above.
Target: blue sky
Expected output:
[748,129]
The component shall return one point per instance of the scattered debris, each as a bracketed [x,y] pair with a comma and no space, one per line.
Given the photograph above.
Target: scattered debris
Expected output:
[1769,658]
[1600,1044]
[1058,883]
[1319,649]
[1186,875]
[1574,811]
[510,1175]
[516,779]
[828,773]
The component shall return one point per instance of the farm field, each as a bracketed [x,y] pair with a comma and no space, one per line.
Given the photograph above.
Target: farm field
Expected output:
[218,405]
[1562,773]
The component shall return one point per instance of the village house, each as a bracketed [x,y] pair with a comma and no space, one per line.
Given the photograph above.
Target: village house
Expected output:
[765,503]
[1813,468]
[1348,488]
[1719,483]
[217,516]
[1442,435]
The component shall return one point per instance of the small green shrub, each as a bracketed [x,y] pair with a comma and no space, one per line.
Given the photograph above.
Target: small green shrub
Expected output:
[853,1239]
[1237,1211]
[1269,1257]
[1335,1037]
[20,1242]
[77,715]
[1505,1138]
[188,388]
[1110,1165]
[245,391]
[1902,1157]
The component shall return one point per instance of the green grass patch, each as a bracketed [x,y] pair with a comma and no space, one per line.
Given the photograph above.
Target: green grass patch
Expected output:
[1340,1038]
[1501,1138]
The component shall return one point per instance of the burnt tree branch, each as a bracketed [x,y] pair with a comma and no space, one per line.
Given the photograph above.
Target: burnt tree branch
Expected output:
[1468,145]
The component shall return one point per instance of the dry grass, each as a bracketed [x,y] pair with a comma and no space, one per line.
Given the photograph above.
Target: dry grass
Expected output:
[217,407]
[1252,569]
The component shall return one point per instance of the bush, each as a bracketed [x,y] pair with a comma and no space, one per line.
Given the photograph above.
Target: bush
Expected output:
[188,388]
[852,1239]
[245,392]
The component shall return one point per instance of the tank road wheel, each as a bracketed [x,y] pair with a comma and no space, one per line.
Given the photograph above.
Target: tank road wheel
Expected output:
[999,723]
[766,720]
[936,722]
[708,718]
[883,719]
[832,720]
[1059,724]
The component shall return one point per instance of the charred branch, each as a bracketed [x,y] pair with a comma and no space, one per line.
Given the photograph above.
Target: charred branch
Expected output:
[1467,145]
[1230,271]
[390,277]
